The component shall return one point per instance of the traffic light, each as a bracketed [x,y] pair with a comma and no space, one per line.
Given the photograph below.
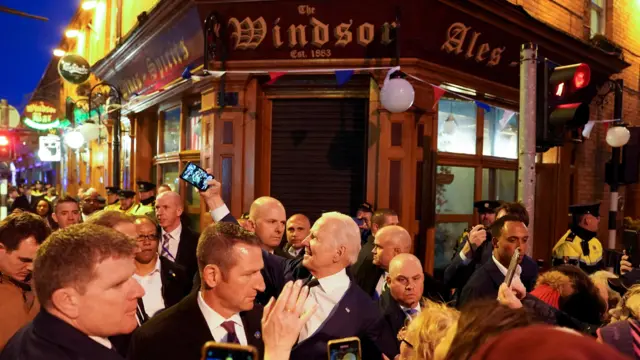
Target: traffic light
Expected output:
[6,147]
[563,97]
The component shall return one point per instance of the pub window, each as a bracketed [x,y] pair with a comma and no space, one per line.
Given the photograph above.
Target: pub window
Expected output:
[500,134]
[171,130]
[447,235]
[170,174]
[454,190]
[193,133]
[457,126]
[597,17]
[499,184]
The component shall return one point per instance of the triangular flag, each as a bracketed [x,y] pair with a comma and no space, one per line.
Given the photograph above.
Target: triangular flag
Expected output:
[586,132]
[275,75]
[437,94]
[508,114]
[343,76]
[486,107]
[186,73]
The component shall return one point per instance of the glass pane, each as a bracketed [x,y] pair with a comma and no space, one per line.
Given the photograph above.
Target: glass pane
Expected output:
[595,22]
[170,175]
[194,129]
[194,222]
[125,161]
[454,190]
[447,235]
[499,184]
[171,130]
[500,133]
[456,126]
[192,195]
[600,3]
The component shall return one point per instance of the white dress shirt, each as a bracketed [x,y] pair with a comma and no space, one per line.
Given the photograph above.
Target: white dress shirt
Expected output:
[102,341]
[173,242]
[219,213]
[215,320]
[330,291]
[294,252]
[152,285]
[381,282]
[504,270]
[406,311]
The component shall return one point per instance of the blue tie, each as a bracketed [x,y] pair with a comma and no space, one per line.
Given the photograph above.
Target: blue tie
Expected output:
[411,312]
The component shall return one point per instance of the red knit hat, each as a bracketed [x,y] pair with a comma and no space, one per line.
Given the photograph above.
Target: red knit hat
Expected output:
[548,294]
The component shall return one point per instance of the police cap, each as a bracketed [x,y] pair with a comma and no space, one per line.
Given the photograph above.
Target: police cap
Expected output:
[112,190]
[127,194]
[583,209]
[144,186]
[486,206]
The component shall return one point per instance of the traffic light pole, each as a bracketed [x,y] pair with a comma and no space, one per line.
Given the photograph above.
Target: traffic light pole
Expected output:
[527,134]
[615,168]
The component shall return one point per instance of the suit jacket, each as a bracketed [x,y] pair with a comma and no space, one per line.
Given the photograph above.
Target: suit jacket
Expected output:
[286,248]
[22,203]
[457,274]
[354,315]
[483,284]
[392,313]
[279,251]
[49,338]
[176,284]
[186,255]
[180,331]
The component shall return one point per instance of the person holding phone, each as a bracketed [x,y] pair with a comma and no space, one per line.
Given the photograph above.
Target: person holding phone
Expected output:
[509,233]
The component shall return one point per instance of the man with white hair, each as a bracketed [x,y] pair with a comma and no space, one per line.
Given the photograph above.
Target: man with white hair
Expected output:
[344,309]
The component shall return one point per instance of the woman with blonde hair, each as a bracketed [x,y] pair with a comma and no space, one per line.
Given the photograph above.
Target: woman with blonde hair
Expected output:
[624,327]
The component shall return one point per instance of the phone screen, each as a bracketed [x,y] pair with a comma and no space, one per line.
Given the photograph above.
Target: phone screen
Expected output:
[228,354]
[196,176]
[348,350]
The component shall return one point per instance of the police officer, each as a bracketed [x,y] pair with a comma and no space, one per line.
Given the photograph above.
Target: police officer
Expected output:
[146,192]
[580,246]
[113,193]
[487,213]
[128,205]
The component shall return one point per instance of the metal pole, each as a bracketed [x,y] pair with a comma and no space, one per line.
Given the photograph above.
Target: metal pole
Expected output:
[615,167]
[116,143]
[527,134]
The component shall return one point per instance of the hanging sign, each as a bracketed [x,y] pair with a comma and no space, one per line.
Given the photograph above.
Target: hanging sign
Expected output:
[49,148]
[41,115]
[74,69]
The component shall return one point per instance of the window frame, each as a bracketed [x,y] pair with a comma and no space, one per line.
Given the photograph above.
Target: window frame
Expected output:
[601,11]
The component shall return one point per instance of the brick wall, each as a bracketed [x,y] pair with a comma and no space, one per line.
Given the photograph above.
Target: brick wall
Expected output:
[623,28]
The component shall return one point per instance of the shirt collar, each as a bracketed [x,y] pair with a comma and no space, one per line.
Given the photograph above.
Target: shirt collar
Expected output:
[417,308]
[335,282]
[214,319]
[503,269]
[175,233]
[102,341]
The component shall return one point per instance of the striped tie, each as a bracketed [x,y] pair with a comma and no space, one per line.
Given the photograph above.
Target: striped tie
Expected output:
[165,247]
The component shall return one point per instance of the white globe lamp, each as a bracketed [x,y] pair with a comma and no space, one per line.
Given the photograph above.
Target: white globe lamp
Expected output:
[397,94]
[74,140]
[618,136]
[89,131]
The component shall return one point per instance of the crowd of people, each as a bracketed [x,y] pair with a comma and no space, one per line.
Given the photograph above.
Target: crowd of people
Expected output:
[88,277]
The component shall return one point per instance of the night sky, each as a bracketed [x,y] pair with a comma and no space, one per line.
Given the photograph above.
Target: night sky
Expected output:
[27,44]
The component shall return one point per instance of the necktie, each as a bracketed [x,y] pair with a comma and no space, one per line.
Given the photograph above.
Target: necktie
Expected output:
[165,247]
[312,282]
[230,327]
[412,313]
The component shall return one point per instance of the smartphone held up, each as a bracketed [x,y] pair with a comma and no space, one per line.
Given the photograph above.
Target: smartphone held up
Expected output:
[196,176]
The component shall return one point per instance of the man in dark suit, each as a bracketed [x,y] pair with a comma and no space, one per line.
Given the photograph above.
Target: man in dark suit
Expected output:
[344,310]
[298,228]
[402,301]
[26,201]
[75,324]
[508,234]
[477,251]
[229,260]
[177,242]
[380,219]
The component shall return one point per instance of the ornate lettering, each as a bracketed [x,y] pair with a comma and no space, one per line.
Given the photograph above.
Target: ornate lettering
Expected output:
[297,35]
[472,44]
[386,33]
[495,56]
[480,56]
[185,50]
[151,69]
[248,34]
[343,35]
[277,40]
[366,33]
[320,34]
[455,38]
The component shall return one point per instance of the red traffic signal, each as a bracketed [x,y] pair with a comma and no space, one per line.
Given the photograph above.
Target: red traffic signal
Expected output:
[6,147]
[4,140]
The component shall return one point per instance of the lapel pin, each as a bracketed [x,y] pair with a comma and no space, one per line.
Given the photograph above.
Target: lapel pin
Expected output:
[257,335]
[348,310]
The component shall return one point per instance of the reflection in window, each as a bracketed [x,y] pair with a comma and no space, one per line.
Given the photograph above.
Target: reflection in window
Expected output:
[500,133]
[456,126]
[454,190]
[125,160]
[194,129]
[170,174]
[447,234]
[171,130]
[499,184]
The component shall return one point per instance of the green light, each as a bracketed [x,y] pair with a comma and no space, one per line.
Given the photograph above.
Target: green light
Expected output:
[38,126]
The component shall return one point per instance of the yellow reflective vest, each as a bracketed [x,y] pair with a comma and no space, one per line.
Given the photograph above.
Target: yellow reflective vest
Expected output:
[572,248]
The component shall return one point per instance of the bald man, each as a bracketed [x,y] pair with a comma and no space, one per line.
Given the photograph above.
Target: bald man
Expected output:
[177,242]
[298,228]
[406,285]
[267,218]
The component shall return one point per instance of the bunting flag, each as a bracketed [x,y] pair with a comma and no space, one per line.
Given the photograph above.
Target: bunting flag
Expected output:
[506,117]
[343,76]
[482,105]
[586,132]
[275,75]
[437,94]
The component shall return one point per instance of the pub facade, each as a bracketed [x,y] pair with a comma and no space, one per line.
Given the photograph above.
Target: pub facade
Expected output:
[289,130]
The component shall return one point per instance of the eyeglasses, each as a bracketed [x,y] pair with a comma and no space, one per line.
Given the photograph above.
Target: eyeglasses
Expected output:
[150,237]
